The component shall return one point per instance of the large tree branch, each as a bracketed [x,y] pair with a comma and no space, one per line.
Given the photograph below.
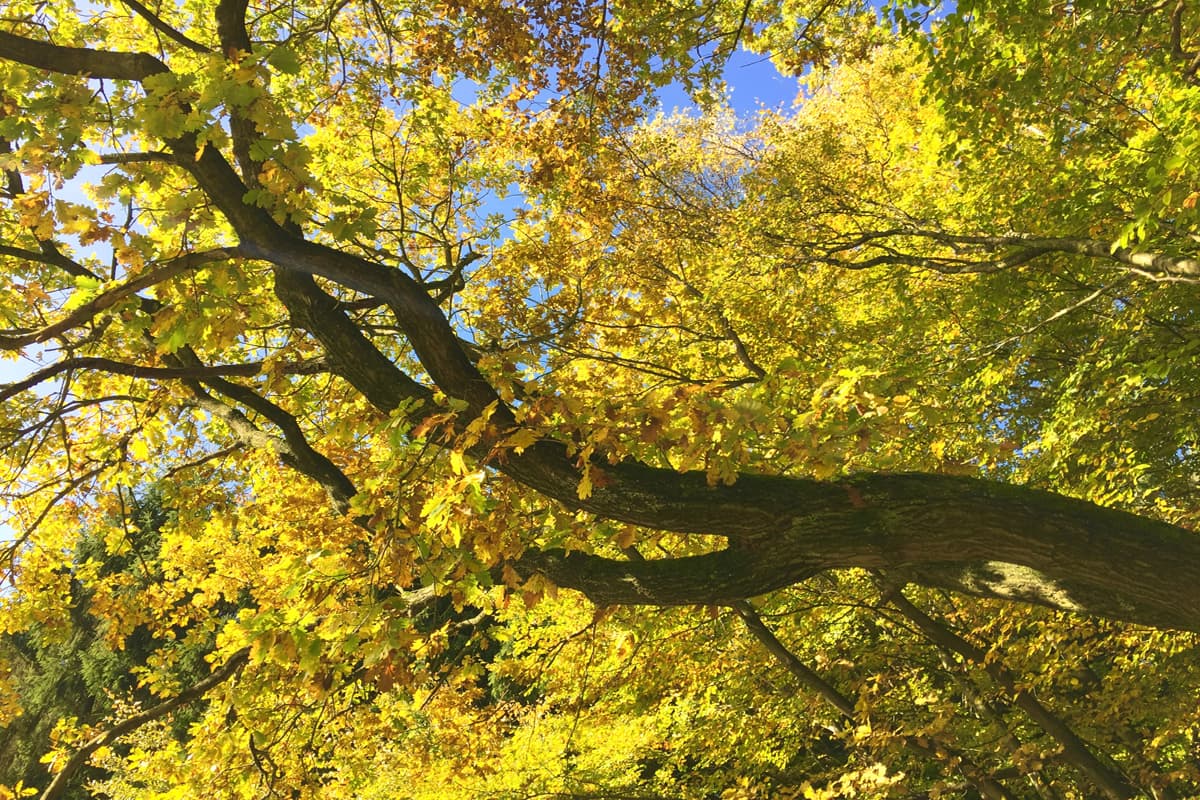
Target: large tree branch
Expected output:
[351,354]
[79,60]
[1159,265]
[943,530]
[984,538]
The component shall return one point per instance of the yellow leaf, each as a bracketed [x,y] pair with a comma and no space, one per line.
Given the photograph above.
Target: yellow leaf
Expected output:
[520,440]
[139,449]
[626,537]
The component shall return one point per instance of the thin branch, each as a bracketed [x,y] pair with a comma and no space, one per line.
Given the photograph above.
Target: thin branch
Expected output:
[15,434]
[1062,312]
[12,547]
[737,36]
[936,751]
[157,23]
[120,368]
[1025,249]
[224,451]
[85,312]
[58,786]
[1111,782]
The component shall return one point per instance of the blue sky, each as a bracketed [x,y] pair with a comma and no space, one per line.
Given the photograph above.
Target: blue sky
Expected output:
[753,82]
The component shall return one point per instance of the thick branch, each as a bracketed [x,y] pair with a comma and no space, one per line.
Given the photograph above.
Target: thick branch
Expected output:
[351,354]
[1157,264]
[235,40]
[983,538]
[79,60]
[714,579]
[989,539]
[986,538]
[148,157]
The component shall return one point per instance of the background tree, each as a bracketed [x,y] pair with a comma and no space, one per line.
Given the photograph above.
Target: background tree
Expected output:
[81,670]
[426,327]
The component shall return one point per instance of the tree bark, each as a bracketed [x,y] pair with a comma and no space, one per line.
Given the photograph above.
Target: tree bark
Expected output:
[983,538]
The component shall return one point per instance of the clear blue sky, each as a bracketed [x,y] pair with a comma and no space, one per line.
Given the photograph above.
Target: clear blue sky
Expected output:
[753,83]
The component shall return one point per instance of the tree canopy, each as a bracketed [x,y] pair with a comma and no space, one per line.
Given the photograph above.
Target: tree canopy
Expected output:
[512,439]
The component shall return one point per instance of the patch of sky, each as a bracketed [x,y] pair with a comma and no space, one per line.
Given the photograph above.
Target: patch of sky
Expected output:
[752,81]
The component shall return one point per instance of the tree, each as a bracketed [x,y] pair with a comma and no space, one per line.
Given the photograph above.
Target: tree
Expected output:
[421,319]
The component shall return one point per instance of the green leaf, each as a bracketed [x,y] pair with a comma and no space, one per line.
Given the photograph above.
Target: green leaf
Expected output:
[284,59]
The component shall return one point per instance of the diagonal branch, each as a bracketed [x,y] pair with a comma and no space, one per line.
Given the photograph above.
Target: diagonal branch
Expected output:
[84,313]
[809,679]
[1111,782]
[58,786]
[294,449]
[48,252]
[171,33]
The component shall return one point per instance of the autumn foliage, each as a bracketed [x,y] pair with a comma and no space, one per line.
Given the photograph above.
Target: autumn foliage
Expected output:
[398,404]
